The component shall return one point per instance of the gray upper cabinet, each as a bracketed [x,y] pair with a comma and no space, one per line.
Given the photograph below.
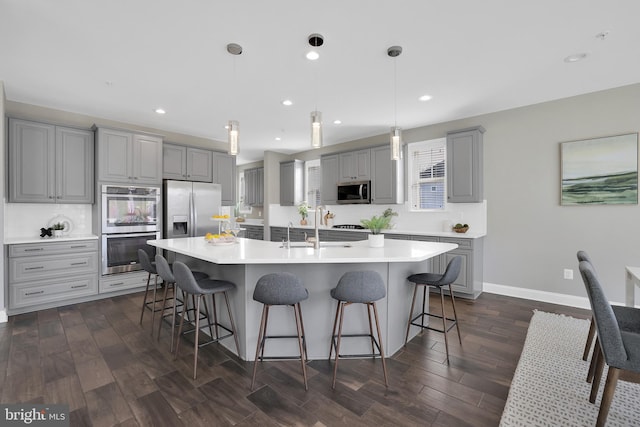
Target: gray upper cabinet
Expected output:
[186,163]
[386,177]
[291,183]
[50,164]
[129,157]
[355,165]
[464,166]
[254,187]
[224,173]
[329,167]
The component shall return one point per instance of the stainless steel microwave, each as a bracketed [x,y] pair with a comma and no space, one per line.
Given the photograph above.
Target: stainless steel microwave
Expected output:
[354,192]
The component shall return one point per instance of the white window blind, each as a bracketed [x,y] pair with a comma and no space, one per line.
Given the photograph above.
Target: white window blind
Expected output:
[427,163]
[313,181]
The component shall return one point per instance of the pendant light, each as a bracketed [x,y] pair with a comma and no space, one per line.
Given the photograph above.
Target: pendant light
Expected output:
[316,40]
[233,127]
[396,133]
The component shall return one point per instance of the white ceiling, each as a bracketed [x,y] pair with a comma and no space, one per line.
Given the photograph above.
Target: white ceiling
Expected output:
[471,56]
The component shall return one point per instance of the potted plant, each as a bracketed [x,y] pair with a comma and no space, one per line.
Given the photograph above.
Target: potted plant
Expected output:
[303,210]
[58,227]
[376,224]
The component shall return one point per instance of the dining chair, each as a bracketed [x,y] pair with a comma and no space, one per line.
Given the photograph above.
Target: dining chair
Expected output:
[618,348]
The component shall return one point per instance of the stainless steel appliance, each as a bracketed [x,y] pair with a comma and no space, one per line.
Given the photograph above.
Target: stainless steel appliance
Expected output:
[358,192]
[129,218]
[188,207]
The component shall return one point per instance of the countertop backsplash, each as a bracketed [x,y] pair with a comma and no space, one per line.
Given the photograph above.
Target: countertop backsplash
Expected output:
[24,220]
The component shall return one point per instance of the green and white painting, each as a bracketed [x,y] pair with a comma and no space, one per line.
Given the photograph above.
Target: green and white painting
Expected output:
[600,171]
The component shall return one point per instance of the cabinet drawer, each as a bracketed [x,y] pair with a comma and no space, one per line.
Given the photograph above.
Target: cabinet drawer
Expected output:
[123,281]
[46,291]
[46,248]
[462,243]
[31,268]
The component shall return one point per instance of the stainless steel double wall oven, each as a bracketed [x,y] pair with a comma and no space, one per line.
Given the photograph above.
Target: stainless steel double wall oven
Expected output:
[130,217]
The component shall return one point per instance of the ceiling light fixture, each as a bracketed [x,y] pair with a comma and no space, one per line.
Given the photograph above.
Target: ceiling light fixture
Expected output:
[396,133]
[425,98]
[337,122]
[287,102]
[575,57]
[233,128]
[160,111]
[316,40]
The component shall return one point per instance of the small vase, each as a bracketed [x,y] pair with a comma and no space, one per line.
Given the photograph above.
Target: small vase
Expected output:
[303,221]
[57,233]
[376,240]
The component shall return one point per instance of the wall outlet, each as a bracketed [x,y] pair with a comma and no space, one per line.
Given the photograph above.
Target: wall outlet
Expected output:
[568,274]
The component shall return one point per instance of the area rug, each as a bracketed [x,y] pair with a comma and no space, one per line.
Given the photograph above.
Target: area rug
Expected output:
[549,387]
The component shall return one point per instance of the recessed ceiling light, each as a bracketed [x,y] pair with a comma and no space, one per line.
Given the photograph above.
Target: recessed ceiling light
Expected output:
[277,138]
[575,57]
[287,102]
[425,98]
[160,111]
[337,122]
[313,55]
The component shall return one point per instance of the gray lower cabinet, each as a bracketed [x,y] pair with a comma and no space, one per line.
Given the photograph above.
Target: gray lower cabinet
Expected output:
[50,164]
[49,274]
[255,232]
[186,163]
[128,157]
[329,167]
[124,281]
[291,183]
[464,166]
[224,173]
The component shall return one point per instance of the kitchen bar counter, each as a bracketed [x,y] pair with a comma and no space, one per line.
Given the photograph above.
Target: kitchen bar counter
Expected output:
[245,262]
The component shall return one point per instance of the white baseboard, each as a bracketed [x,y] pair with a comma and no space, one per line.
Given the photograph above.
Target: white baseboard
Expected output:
[3,316]
[533,294]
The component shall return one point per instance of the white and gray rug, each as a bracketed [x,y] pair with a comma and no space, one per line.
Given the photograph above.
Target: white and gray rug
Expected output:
[549,387]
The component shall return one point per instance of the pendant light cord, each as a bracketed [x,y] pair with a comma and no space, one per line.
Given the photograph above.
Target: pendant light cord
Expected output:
[395,93]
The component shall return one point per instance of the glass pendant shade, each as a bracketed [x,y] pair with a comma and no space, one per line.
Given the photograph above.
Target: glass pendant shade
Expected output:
[396,143]
[316,129]
[234,137]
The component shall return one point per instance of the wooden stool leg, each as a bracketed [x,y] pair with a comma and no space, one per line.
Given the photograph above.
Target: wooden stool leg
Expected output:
[206,311]
[173,318]
[144,301]
[302,358]
[215,315]
[153,307]
[455,314]
[597,376]
[424,305]
[607,395]
[335,368]
[304,337]
[444,323]
[266,322]
[195,345]
[233,325]
[594,361]
[333,333]
[175,356]
[413,303]
[260,343]
[384,364]
[587,345]
[164,302]
[373,348]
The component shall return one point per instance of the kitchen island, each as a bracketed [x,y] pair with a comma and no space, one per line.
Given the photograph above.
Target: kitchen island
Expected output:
[245,261]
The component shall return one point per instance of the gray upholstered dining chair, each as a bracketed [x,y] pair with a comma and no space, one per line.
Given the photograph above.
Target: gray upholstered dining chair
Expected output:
[618,348]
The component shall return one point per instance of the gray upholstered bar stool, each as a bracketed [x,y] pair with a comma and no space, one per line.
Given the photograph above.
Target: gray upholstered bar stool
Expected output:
[358,287]
[164,271]
[280,289]
[199,289]
[437,281]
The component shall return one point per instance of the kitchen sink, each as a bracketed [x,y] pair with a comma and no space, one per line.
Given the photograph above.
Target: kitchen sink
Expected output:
[294,245]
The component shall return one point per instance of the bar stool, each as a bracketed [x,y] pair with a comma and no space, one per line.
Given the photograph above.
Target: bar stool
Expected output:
[150,268]
[358,287]
[164,271]
[280,289]
[187,283]
[437,281]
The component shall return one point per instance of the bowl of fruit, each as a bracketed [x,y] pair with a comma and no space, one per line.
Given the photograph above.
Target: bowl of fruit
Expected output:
[220,239]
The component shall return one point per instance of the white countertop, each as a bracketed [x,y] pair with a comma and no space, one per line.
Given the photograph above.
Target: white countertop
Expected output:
[247,251]
[38,239]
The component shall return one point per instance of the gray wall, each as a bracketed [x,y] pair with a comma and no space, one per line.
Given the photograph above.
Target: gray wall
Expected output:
[3,135]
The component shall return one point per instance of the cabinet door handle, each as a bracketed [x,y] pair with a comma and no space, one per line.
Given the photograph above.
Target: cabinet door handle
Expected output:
[78,246]
[34,250]
[79,263]
[79,286]
[118,284]
[34,293]
[40,267]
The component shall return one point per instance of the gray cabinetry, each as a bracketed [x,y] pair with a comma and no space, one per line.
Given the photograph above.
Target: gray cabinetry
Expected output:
[387,185]
[254,187]
[464,166]
[50,274]
[186,163]
[291,183]
[129,157]
[50,164]
[355,165]
[255,232]
[224,173]
[329,167]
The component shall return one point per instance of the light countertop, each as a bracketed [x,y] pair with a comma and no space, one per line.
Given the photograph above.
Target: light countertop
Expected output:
[247,251]
[38,239]
[471,234]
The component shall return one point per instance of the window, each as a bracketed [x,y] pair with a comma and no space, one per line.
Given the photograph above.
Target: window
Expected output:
[313,181]
[427,175]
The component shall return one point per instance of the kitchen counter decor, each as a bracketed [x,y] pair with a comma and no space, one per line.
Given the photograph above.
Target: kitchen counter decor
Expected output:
[460,228]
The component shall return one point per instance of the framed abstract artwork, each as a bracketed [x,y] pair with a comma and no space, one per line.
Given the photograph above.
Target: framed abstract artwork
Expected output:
[600,171]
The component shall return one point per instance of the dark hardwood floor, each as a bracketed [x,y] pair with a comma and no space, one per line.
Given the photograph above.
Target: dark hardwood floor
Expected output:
[96,358]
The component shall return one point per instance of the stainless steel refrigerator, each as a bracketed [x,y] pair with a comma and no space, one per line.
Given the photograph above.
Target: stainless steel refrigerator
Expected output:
[188,207]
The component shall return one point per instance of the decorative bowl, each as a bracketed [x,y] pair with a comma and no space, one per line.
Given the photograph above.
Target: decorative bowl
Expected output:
[461,229]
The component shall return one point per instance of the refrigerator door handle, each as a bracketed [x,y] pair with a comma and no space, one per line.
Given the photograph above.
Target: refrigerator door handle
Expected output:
[194,214]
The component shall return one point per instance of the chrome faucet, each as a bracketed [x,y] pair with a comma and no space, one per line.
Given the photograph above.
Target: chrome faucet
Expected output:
[288,242]
[319,209]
